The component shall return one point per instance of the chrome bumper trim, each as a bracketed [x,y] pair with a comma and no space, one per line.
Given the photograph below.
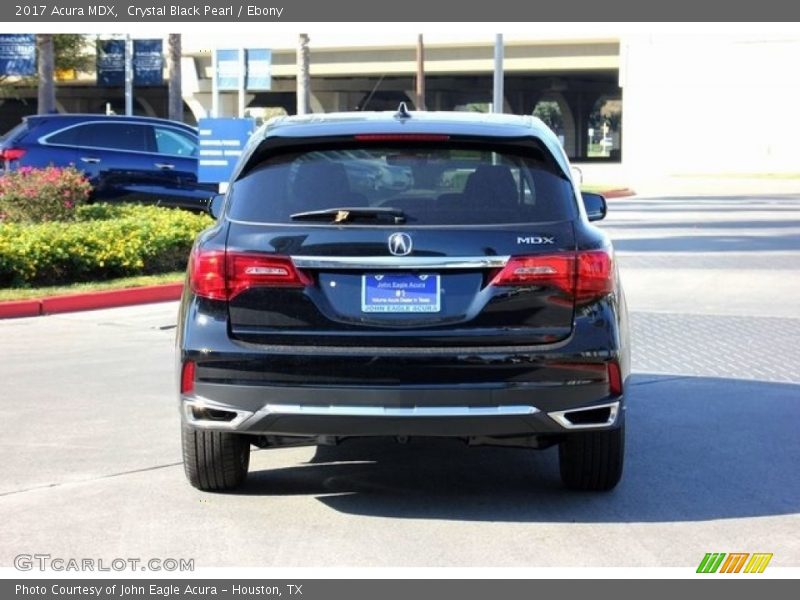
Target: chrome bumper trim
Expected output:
[384,411]
[242,416]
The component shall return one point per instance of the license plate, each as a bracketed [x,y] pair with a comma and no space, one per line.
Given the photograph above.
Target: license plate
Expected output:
[399,293]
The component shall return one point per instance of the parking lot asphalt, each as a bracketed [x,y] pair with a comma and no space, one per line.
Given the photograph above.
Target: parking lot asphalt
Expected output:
[91,455]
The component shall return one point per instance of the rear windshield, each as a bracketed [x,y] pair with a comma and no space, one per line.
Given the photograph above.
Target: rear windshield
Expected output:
[430,185]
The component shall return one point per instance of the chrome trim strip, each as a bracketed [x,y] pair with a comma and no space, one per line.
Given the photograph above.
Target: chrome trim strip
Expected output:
[400,262]
[44,139]
[561,418]
[386,411]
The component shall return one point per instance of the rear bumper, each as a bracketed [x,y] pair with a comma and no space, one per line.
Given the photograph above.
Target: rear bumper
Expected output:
[361,391]
[316,411]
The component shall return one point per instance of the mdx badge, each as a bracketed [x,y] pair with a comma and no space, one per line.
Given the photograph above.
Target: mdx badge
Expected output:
[535,239]
[400,244]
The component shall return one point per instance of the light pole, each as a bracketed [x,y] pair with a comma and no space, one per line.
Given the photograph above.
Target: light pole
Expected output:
[128,75]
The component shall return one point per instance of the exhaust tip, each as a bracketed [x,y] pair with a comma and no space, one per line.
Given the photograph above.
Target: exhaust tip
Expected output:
[604,415]
[213,417]
[589,417]
[202,413]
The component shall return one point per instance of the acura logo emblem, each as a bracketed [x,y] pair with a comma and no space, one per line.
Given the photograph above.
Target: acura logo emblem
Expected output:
[400,244]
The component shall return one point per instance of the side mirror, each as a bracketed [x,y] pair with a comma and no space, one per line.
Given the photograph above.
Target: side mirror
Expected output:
[595,205]
[215,205]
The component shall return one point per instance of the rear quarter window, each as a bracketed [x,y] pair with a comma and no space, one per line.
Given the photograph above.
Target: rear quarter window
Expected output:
[432,185]
[65,137]
[15,132]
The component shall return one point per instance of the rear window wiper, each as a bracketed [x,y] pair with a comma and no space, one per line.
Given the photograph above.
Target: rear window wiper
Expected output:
[350,214]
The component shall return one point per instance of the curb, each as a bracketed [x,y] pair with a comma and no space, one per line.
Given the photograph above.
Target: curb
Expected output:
[20,308]
[90,301]
[620,193]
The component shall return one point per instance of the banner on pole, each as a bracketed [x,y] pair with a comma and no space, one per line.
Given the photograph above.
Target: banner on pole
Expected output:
[148,62]
[227,70]
[259,69]
[111,62]
[18,54]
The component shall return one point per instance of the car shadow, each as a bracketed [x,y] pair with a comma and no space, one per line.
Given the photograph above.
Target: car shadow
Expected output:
[697,449]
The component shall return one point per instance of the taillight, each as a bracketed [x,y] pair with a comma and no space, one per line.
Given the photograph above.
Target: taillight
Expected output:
[207,274]
[548,269]
[595,275]
[259,270]
[187,377]
[614,379]
[584,275]
[219,275]
[9,154]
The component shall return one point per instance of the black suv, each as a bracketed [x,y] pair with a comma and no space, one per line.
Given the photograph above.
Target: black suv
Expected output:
[457,289]
[126,159]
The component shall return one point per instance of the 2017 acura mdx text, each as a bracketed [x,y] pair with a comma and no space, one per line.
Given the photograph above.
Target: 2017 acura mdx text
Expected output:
[403,274]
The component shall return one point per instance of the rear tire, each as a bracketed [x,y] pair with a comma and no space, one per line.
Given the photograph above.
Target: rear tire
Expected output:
[215,460]
[592,460]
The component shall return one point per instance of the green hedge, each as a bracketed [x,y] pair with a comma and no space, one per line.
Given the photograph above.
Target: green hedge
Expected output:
[103,243]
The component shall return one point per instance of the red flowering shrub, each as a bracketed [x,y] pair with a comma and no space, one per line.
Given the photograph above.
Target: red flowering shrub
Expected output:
[30,195]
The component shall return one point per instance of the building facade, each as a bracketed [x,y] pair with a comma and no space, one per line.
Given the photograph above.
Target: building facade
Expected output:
[652,104]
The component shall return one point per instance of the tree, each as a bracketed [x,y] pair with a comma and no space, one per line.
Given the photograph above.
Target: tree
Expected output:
[303,77]
[420,97]
[46,59]
[606,110]
[550,113]
[175,102]
[73,51]
[68,51]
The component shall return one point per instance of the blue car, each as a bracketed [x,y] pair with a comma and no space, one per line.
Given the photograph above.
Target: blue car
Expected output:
[126,159]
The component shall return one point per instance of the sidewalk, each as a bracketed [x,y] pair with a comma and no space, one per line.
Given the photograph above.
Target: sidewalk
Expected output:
[717,186]
[616,176]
